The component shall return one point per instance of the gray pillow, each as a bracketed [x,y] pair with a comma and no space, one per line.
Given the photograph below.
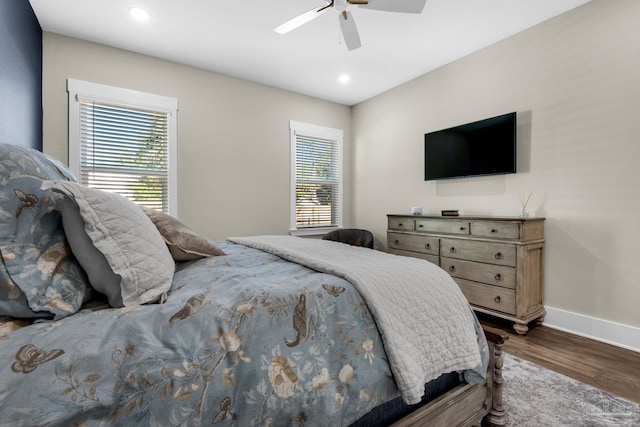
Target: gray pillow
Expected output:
[184,243]
[128,240]
[101,276]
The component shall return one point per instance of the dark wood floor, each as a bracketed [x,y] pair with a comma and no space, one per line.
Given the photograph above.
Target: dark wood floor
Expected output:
[601,365]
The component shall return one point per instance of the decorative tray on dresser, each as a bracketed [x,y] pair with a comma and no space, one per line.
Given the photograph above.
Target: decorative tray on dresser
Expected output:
[498,262]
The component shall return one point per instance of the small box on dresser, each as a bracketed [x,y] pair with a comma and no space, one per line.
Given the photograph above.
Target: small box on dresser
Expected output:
[498,262]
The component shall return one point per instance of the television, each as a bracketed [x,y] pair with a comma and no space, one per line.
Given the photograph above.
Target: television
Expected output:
[485,147]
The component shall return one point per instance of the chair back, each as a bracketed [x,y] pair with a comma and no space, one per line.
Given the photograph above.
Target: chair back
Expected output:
[351,236]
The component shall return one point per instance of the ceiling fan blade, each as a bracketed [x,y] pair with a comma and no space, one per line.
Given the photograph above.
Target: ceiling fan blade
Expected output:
[349,30]
[299,20]
[404,6]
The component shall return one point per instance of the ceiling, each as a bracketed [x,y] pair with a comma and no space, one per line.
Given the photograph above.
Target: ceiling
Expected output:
[237,38]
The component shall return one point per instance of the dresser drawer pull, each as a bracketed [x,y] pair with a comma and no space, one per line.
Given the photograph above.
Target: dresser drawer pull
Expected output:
[396,242]
[452,268]
[493,230]
[498,277]
[499,256]
[497,299]
[427,246]
[463,228]
[399,224]
[452,250]
[421,226]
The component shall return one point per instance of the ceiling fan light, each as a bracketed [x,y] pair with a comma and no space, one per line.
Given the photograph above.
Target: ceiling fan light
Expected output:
[344,79]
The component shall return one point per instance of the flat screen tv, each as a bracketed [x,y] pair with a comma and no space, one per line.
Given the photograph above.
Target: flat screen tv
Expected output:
[485,147]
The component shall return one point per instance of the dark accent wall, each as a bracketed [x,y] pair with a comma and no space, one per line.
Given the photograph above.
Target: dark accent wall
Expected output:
[20,75]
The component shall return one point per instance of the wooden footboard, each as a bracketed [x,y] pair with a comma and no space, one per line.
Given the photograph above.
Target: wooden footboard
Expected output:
[466,404]
[497,416]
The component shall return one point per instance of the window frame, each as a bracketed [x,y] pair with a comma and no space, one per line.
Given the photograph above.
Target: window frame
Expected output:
[325,133]
[126,98]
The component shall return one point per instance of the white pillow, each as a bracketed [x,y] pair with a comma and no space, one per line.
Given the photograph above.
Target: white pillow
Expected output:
[126,237]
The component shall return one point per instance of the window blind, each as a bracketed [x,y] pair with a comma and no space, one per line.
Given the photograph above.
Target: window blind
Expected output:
[125,150]
[317,174]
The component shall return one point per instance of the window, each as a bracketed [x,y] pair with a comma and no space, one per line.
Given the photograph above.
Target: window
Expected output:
[124,141]
[316,178]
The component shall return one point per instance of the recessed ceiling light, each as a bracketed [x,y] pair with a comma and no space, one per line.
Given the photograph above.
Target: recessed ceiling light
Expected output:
[344,79]
[139,14]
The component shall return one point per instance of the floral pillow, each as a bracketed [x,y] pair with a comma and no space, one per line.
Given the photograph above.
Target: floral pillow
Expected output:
[39,276]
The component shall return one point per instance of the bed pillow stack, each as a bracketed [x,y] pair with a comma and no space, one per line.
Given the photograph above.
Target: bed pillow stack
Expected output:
[116,243]
[59,240]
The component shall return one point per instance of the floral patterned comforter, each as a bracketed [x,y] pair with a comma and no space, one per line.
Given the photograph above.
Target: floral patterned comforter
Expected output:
[243,339]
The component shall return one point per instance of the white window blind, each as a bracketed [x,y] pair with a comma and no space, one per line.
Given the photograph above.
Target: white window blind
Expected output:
[317,173]
[124,146]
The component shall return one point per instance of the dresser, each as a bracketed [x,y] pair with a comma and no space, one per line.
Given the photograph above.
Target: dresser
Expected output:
[498,262]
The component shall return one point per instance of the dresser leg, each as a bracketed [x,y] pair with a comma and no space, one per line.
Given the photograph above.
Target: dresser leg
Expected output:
[539,321]
[520,328]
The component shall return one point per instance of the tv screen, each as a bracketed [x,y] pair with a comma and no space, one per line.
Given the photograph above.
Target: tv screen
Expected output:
[485,147]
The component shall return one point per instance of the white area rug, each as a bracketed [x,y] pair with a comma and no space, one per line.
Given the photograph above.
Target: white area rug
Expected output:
[535,396]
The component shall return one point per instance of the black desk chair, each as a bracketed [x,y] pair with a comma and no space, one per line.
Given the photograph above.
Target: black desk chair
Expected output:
[351,236]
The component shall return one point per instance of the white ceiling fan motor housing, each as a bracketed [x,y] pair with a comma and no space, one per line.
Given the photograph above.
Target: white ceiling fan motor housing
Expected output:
[340,5]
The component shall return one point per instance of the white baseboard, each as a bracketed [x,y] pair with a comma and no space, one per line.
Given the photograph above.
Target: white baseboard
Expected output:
[617,334]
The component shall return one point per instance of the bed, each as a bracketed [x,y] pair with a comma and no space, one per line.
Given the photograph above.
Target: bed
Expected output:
[111,314]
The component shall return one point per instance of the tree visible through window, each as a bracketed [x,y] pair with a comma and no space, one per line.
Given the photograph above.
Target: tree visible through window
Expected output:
[123,145]
[317,176]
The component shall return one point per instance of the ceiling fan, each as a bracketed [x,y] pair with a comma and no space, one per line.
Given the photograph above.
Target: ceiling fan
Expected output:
[347,24]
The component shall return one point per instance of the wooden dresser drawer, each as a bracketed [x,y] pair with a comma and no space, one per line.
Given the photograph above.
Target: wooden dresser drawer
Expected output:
[491,297]
[495,230]
[492,258]
[434,259]
[492,253]
[451,226]
[400,223]
[497,275]
[412,242]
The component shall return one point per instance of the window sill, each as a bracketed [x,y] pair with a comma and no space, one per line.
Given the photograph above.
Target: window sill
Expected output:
[304,232]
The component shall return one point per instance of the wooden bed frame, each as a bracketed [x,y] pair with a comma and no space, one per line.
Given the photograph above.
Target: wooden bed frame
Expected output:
[468,405]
